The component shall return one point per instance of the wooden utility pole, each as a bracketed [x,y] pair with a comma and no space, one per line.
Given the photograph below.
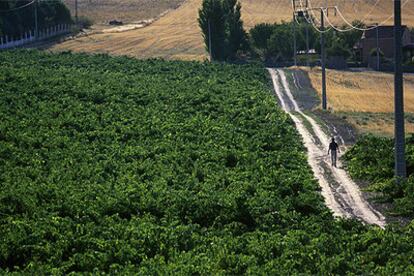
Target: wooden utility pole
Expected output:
[400,164]
[307,45]
[323,60]
[36,20]
[378,49]
[209,41]
[301,12]
[76,12]
[294,40]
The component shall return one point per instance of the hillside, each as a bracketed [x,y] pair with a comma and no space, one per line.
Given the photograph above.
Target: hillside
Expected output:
[177,35]
[127,11]
[121,166]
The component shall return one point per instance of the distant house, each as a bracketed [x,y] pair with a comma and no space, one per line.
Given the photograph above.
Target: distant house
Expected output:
[368,42]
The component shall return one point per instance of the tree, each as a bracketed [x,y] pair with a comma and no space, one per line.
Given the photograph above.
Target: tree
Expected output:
[272,41]
[211,21]
[259,38]
[280,43]
[236,36]
[338,48]
[350,38]
[16,22]
[222,27]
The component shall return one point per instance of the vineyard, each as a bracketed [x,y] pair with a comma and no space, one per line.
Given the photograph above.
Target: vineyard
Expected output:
[117,165]
[372,159]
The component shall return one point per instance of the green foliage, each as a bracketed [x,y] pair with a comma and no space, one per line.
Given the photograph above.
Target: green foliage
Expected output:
[338,49]
[350,38]
[236,39]
[222,20]
[341,43]
[211,20]
[121,166]
[275,41]
[272,41]
[259,38]
[280,43]
[16,22]
[372,159]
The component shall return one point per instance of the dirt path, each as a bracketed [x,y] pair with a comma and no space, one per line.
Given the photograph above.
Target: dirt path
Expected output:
[341,194]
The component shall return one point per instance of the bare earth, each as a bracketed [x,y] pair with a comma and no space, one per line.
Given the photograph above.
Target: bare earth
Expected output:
[177,35]
[341,194]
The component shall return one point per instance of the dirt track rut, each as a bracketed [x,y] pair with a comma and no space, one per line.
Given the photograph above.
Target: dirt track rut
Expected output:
[341,194]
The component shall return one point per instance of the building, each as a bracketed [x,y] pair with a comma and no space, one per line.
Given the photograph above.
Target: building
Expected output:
[368,42]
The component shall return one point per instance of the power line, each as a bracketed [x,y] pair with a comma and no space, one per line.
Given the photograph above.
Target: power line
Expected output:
[334,27]
[303,12]
[28,4]
[18,8]
[309,19]
[399,131]
[371,11]
[353,27]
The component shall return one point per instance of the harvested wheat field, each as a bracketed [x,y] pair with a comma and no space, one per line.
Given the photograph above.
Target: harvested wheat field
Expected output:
[127,11]
[366,97]
[174,36]
[177,35]
[378,123]
[362,91]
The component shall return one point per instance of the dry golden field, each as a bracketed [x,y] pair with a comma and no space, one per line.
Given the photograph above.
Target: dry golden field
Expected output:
[362,91]
[102,11]
[174,36]
[367,97]
[177,36]
[378,124]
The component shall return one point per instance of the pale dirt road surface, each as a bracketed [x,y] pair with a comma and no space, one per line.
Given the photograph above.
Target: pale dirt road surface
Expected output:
[341,194]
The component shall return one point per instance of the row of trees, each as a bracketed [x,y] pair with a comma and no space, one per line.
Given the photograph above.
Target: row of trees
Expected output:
[223,32]
[18,16]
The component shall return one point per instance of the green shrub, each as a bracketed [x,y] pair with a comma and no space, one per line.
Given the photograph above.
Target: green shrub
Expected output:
[372,159]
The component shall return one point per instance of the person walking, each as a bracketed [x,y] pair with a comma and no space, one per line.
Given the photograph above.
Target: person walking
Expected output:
[333,149]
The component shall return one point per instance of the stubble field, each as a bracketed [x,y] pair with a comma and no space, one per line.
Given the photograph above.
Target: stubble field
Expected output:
[128,11]
[366,99]
[177,35]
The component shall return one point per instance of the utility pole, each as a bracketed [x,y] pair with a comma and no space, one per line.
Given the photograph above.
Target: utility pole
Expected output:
[323,60]
[378,49]
[294,40]
[36,20]
[76,12]
[302,12]
[307,45]
[400,165]
[209,41]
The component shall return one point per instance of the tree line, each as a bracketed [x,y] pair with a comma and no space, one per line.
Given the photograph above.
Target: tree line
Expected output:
[226,39]
[18,16]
